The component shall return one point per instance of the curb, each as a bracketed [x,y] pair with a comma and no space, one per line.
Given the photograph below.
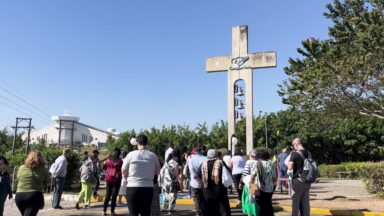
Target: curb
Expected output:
[284,208]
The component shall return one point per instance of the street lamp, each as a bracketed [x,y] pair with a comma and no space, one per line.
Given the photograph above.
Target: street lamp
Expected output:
[234,142]
[266,130]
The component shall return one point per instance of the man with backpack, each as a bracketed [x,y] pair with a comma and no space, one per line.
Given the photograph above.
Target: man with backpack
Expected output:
[302,170]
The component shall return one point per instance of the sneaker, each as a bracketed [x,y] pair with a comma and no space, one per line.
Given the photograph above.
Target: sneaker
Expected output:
[120,204]
[86,206]
[77,206]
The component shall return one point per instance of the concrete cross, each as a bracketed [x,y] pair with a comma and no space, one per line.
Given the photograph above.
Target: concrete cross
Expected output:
[239,67]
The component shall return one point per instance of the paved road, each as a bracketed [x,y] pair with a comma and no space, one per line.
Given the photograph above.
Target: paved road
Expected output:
[96,210]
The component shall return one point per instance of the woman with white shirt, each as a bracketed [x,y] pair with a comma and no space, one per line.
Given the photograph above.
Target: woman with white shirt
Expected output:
[139,168]
[237,165]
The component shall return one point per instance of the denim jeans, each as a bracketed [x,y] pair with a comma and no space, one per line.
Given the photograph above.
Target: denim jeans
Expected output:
[59,186]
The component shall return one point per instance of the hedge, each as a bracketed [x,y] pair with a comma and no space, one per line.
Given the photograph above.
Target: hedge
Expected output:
[50,154]
[372,174]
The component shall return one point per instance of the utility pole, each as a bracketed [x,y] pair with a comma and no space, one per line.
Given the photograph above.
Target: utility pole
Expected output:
[29,127]
[29,136]
[14,136]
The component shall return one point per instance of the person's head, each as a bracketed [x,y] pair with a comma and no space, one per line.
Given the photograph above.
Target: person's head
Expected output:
[3,160]
[142,140]
[195,151]
[171,145]
[212,153]
[263,155]
[85,153]
[225,152]
[66,152]
[124,154]
[95,154]
[173,155]
[115,154]
[297,144]
[203,150]
[238,152]
[34,159]
[288,149]
[252,154]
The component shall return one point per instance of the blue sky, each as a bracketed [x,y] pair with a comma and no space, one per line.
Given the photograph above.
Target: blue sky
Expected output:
[138,64]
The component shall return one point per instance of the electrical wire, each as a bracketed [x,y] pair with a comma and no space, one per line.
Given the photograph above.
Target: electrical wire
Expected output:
[26,102]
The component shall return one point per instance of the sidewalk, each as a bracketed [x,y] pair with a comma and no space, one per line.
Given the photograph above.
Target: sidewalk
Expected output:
[328,197]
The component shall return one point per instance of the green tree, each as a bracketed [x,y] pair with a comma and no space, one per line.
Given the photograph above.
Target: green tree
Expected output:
[346,71]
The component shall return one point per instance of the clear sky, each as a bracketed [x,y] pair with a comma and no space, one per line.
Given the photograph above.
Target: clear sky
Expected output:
[137,64]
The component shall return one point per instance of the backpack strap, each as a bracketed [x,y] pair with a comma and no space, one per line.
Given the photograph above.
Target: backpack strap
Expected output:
[302,155]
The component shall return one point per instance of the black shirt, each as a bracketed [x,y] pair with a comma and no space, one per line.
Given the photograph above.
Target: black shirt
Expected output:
[298,161]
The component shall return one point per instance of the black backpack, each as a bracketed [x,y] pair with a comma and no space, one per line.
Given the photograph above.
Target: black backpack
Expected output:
[309,173]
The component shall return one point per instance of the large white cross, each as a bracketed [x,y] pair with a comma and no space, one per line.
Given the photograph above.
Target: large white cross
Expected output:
[239,67]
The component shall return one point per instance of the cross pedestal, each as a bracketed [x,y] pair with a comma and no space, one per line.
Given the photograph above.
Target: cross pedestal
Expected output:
[239,66]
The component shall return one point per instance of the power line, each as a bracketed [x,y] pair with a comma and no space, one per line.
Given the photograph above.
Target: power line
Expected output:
[33,106]
[22,112]
[21,106]
[16,91]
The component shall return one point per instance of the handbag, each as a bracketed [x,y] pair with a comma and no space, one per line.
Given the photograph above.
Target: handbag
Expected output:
[254,189]
[226,177]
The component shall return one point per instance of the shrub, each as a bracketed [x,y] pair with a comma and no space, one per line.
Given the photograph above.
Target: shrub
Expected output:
[372,174]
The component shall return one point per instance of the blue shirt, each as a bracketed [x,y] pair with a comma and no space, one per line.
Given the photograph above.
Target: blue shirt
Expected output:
[281,158]
[194,164]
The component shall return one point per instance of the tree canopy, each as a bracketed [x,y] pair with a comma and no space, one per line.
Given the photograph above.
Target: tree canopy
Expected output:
[344,73]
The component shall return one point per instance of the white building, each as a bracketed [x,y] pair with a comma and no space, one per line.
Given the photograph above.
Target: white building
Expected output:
[66,130]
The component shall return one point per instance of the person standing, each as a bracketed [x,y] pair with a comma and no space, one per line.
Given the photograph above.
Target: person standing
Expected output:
[58,171]
[113,175]
[194,164]
[5,186]
[140,167]
[282,168]
[300,190]
[215,193]
[264,175]
[170,182]
[247,202]
[88,178]
[32,177]
[237,164]
[168,151]
[123,186]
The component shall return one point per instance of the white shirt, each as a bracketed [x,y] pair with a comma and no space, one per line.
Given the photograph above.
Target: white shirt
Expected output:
[140,166]
[167,152]
[59,168]
[238,164]
[227,159]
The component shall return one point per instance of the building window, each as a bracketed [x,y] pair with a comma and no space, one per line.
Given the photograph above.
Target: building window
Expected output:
[45,137]
[84,138]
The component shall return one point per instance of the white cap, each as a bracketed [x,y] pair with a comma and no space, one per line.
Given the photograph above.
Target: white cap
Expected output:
[133,141]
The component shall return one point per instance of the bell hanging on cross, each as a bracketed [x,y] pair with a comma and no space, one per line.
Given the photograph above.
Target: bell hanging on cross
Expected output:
[239,117]
[240,104]
[240,92]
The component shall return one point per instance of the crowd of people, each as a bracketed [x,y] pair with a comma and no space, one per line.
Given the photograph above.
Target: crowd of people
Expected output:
[139,177]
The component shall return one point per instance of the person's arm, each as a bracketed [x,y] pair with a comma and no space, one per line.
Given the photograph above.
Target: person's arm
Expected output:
[157,166]
[177,168]
[290,165]
[125,166]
